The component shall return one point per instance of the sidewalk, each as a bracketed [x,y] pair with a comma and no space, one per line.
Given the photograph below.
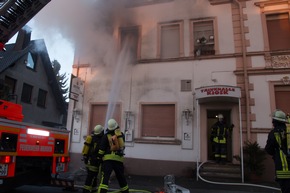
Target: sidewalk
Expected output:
[156,184]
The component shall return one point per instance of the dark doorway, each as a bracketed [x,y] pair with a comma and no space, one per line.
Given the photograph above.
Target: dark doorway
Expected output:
[211,119]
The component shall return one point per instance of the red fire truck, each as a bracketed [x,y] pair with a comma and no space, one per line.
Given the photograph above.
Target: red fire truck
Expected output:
[29,154]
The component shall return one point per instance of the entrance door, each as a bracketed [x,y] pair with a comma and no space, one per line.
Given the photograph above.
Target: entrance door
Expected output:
[211,119]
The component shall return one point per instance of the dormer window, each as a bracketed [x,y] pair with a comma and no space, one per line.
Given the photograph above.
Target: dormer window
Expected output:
[29,62]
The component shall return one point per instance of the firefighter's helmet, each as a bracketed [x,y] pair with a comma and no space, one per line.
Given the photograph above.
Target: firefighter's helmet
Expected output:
[98,129]
[220,116]
[112,124]
[279,116]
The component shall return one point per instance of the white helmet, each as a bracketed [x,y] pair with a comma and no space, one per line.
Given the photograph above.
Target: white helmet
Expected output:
[279,116]
[112,124]
[98,129]
[220,116]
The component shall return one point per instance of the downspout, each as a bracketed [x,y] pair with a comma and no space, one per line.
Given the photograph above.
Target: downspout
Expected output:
[245,69]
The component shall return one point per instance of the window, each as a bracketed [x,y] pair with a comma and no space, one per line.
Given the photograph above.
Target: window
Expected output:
[158,120]
[278,26]
[171,44]
[203,37]
[11,86]
[11,83]
[41,99]
[26,93]
[29,62]
[282,97]
[129,38]
[99,114]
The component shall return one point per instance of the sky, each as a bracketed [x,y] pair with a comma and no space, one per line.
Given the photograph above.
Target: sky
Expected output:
[47,25]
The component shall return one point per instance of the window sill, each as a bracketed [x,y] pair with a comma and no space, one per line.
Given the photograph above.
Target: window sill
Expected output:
[158,141]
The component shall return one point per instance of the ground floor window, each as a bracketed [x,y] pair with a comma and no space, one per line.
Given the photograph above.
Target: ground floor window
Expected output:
[99,112]
[158,120]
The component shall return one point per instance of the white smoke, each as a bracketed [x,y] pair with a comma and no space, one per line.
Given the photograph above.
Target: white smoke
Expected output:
[86,24]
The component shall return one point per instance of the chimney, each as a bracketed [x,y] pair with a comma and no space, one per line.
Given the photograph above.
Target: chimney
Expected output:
[23,38]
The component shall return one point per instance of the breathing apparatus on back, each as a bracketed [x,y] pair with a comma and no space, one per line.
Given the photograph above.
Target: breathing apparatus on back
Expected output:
[98,129]
[116,140]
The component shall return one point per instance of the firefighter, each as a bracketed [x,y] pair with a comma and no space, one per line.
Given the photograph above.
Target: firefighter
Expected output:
[276,146]
[90,152]
[111,152]
[219,135]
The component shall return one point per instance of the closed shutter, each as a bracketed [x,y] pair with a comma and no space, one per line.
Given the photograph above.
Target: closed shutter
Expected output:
[98,115]
[158,120]
[282,98]
[278,27]
[170,41]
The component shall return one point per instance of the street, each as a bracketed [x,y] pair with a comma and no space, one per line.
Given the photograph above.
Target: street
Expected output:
[38,189]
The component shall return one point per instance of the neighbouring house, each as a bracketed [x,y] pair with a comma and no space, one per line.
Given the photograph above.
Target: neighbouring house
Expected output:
[181,63]
[26,70]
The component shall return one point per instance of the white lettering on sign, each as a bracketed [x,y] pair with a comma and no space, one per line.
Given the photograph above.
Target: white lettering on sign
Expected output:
[217,91]
[41,148]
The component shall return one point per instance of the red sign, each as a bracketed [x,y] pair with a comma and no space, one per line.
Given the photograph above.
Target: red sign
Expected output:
[213,91]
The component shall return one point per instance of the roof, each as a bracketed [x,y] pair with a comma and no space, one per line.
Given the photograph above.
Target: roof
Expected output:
[35,47]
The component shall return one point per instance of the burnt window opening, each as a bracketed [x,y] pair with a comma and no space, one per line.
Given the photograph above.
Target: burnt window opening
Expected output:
[8,142]
[129,42]
[59,146]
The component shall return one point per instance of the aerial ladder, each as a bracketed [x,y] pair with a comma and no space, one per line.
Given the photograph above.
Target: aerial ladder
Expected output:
[14,14]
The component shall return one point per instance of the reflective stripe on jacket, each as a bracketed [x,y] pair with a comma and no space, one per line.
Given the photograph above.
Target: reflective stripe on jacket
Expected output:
[220,137]
[282,168]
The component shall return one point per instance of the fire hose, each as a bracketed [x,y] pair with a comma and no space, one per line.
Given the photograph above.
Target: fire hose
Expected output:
[235,184]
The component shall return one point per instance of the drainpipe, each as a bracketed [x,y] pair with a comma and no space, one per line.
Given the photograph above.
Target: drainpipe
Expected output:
[245,69]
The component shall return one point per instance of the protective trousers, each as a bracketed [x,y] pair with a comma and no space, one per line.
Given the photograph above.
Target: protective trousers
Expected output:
[118,168]
[285,185]
[220,153]
[91,180]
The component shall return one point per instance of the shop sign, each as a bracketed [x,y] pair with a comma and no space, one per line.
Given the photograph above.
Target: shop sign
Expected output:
[214,91]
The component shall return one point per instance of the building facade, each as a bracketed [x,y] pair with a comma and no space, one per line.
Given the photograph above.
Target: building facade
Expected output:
[27,74]
[175,65]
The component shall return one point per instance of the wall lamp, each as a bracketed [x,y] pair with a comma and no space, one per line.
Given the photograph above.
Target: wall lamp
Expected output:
[128,115]
[77,114]
[187,115]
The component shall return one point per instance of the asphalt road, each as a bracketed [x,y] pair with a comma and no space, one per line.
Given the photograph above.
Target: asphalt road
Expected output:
[40,189]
